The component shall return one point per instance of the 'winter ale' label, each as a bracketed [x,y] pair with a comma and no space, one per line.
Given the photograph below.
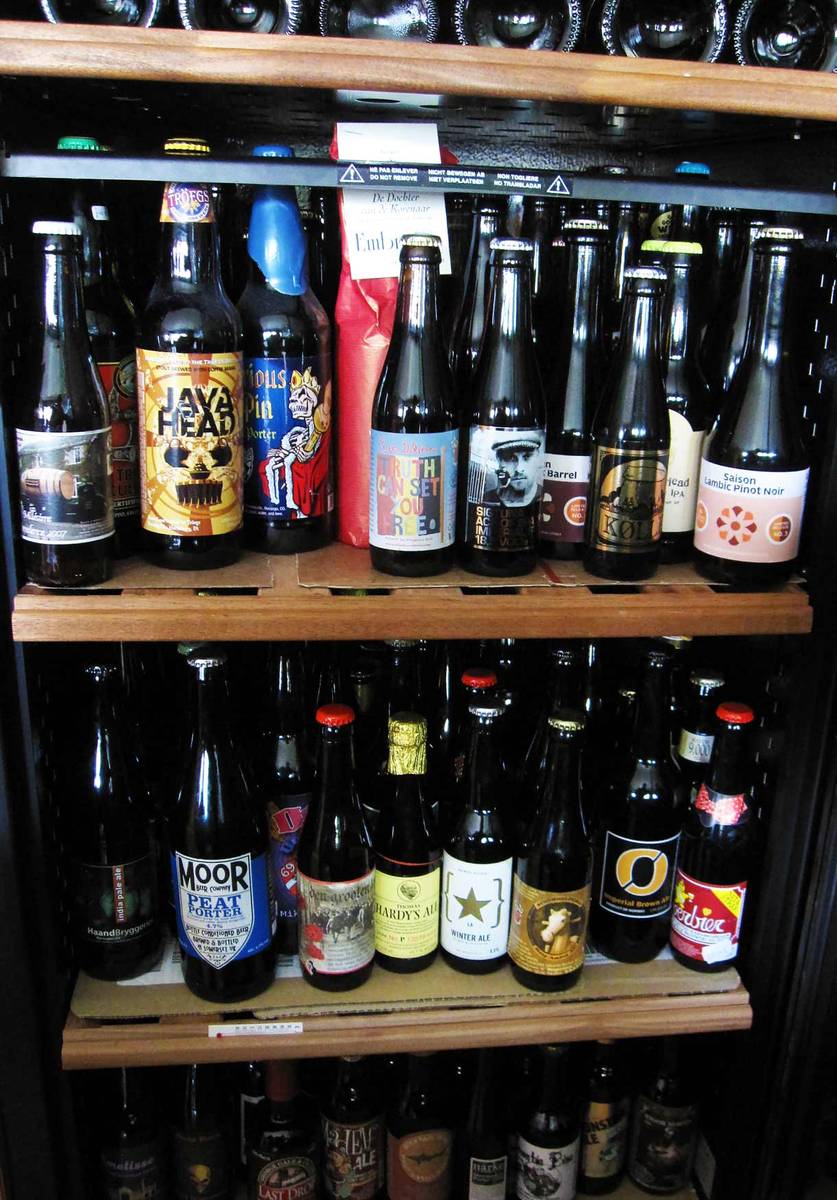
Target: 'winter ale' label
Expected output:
[548,929]
[627,494]
[505,480]
[353,1159]
[637,877]
[224,907]
[65,486]
[476,908]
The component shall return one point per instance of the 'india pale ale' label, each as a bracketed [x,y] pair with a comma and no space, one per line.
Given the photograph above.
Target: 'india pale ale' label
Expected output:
[336,924]
[119,380]
[412,490]
[546,1171]
[548,929]
[406,912]
[191,464]
[505,481]
[114,905]
[353,1159]
[476,907]
[627,493]
[419,1165]
[637,877]
[604,1133]
[566,478]
[682,474]
[749,516]
[65,486]
[224,907]
[706,921]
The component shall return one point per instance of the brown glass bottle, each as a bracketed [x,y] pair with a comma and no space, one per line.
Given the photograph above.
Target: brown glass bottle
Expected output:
[415,438]
[419,1133]
[604,1124]
[132,1154]
[726,330]
[566,683]
[630,444]
[624,254]
[665,1124]
[354,1133]
[63,429]
[549,1131]
[190,389]
[721,253]
[482,1159]
[539,225]
[286,1152]
[488,223]
[202,1165]
[696,735]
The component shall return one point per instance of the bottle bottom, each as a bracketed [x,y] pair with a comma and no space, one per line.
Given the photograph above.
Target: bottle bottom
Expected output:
[178,553]
[287,537]
[127,962]
[127,537]
[739,574]
[676,547]
[650,1190]
[420,562]
[240,980]
[545,983]
[499,564]
[702,968]
[563,550]
[339,983]
[621,945]
[626,568]
[599,1187]
[404,966]
[473,966]
[70,566]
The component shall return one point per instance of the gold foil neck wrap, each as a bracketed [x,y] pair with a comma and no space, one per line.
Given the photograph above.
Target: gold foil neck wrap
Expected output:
[407,744]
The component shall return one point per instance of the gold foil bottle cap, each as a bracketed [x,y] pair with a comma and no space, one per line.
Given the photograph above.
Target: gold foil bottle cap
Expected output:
[407,744]
[190,146]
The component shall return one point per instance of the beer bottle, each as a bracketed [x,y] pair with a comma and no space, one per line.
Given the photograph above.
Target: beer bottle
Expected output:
[721,254]
[504,437]
[201,1158]
[519,1099]
[142,13]
[63,429]
[407,855]
[261,16]
[548,1137]
[696,737]
[604,1124]
[132,1157]
[692,33]
[572,394]
[726,330]
[539,225]
[478,684]
[688,221]
[477,861]
[419,1137]
[489,221]
[252,1111]
[553,26]
[354,1135]
[785,33]
[624,254]
[223,898]
[286,1156]
[415,439]
[392,20]
[664,1131]
[404,693]
[630,441]
[565,691]
[190,388]
[551,891]
[113,892]
[639,831]
[288,496]
[716,850]
[335,871]
[754,470]
[482,1152]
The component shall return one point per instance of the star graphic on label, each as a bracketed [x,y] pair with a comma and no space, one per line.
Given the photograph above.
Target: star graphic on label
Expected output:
[470,906]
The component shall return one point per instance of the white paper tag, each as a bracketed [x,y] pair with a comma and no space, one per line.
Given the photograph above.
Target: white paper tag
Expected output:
[374,221]
[254,1029]
[167,969]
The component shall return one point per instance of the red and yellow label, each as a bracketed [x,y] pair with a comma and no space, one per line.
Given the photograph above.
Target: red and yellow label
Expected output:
[191,462]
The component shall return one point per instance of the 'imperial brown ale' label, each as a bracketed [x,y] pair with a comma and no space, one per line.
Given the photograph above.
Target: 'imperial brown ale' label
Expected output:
[627,494]
[638,877]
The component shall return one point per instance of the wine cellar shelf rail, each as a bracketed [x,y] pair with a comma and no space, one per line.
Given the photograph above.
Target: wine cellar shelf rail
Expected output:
[178,56]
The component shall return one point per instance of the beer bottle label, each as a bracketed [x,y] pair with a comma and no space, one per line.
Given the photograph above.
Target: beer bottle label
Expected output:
[224,907]
[412,490]
[637,877]
[546,1170]
[336,924]
[406,912]
[114,905]
[695,747]
[476,908]
[505,481]
[133,1171]
[706,921]
[548,929]
[353,1159]
[285,826]
[187,204]
[604,1133]
[288,439]
[191,465]
[201,1166]
[749,516]
[682,474]
[120,383]
[716,808]
[487,1178]
[419,1165]
[627,493]
[65,486]
[293,1177]
[566,478]
[662,1145]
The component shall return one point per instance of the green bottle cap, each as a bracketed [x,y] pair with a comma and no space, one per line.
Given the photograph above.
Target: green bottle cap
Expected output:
[79,144]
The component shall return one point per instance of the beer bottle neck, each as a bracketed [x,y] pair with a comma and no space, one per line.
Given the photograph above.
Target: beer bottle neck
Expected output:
[510,310]
[407,760]
[482,769]
[766,327]
[213,704]
[651,740]
[730,768]
[680,328]
[559,813]
[107,730]
[580,352]
[336,768]
[61,308]
[189,255]
[286,689]
[638,340]
[553,1080]
[417,314]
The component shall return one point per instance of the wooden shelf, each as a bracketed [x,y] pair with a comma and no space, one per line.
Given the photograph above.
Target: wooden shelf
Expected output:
[177,56]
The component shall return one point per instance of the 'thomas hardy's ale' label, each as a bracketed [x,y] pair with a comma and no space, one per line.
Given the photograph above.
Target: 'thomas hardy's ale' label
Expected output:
[191,465]
[288,439]
[505,480]
[566,478]
[749,516]
[353,1159]
[65,486]
[133,1171]
[412,490]
[706,921]
[695,747]
[202,1169]
[285,827]
[224,907]
[487,1178]
[662,1145]
[548,929]
[284,1178]
[682,474]
[120,384]
[627,494]
[336,924]
[406,912]
[638,877]
[546,1171]
[604,1133]
[476,907]
[114,905]
[419,1165]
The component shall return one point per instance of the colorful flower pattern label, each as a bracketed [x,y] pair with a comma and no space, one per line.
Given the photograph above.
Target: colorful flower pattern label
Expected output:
[749,516]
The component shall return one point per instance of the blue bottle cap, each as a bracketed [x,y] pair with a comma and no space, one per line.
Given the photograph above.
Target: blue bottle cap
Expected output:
[272,151]
[692,168]
[276,240]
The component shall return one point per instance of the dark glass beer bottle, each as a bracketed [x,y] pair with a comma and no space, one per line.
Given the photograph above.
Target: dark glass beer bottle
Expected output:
[489,220]
[572,393]
[716,850]
[726,330]
[419,1136]
[354,1135]
[721,254]
[604,1124]
[547,25]
[335,870]
[242,16]
[565,690]
[630,444]
[539,225]
[754,470]
[252,1111]
[415,439]
[478,857]
[63,429]
[664,1131]
[548,1132]
[693,32]
[503,439]
[113,891]
[785,33]
[380,20]
[624,254]
[285,1161]
[696,736]
[201,1141]
[288,494]
[190,392]
[142,13]
[132,1156]
[639,831]
[482,1160]
[223,899]
[551,891]
[478,685]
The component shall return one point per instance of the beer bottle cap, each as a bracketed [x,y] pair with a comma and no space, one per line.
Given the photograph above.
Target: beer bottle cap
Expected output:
[400,643]
[567,720]
[779,233]
[692,168]
[205,656]
[707,679]
[99,671]
[422,240]
[646,274]
[56,229]
[407,734]
[272,151]
[407,729]
[677,640]
[487,711]
[735,713]
[335,715]
[189,146]
[476,677]
[613,169]
[664,247]
[518,245]
[79,144]
[585,225]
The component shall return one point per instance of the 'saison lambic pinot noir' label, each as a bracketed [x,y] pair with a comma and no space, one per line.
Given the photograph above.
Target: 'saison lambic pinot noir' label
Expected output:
[657,1125]
[637,877]
[412,490]
[285,825]
[65,486]
[706,920]
[548,929]
[288,1177]
[406,912]
[546,1170]
[354,1156]
[695,747]
[120,383]
[336,924]
[476,907]
[627,492]
[288,439]
[192,461]
[487,1178]
[604,1134]
[682,475]
[505,481]
[202,1169]
[419,1165]
[749,516]
[566,478]
[134,1171]
[224,907]
[114,905]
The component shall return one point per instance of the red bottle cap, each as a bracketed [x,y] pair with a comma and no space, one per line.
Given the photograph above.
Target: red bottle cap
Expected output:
[735,713]
[478,677]
[280,1083]
[335,715]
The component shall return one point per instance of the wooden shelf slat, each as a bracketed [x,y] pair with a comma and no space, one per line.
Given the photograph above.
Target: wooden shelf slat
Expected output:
[178,56]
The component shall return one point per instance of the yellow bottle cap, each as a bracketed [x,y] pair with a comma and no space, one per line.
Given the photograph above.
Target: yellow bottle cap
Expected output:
[189,146]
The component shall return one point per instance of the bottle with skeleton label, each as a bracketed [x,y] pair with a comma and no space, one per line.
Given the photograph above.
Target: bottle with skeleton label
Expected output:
[482,1160]
[190,377]
[503,439]
[419,1137]
[354,1135]
[549,1132]
[132,1154]
[288,497]
[604,1124]
[284,1162]
[201,1142]
[223,899]
[335,870]
[696,735]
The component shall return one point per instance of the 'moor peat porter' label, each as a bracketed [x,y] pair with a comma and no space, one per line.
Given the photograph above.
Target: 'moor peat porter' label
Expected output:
[412,490]
[336,924]
[505,480]
[637,877]
[65,486]
[224,907]
[749,516]
[627,492]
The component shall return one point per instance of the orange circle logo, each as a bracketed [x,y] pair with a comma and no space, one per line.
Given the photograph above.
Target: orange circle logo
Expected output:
[779,529]
[701,515]
[575,510]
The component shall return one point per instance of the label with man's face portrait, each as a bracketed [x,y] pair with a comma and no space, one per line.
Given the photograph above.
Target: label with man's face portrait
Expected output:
[505,481]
